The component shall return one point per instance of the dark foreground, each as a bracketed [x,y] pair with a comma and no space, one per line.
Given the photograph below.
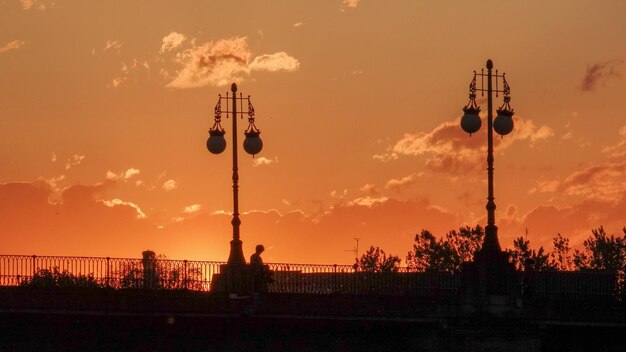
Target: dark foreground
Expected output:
[70,320]
[84,332]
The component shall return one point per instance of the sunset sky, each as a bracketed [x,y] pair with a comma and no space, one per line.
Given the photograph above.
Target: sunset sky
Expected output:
[105,108]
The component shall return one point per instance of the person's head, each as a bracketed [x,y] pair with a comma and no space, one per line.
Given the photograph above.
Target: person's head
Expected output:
[259,248]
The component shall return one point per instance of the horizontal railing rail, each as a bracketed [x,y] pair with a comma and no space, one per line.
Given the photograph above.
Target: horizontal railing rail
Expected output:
[590,286]
[122,273]
[168,274]
[346,279]
[106,272]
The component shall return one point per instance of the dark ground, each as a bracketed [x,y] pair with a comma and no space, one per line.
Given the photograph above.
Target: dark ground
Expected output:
[136,320]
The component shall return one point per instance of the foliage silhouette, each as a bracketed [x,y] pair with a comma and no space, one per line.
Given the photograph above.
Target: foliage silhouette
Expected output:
[560,257]
[602,252]
[375,260]
[525,258]
[445,254]
[56,278]
[157,272]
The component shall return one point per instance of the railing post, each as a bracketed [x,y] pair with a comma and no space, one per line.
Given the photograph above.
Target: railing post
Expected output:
[185,274]
[34,265]
[108,272]
[335,278]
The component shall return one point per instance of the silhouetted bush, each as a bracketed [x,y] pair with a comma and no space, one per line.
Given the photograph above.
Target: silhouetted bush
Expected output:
[56,278]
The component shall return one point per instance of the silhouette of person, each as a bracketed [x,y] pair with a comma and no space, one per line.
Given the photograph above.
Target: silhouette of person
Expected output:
[260,273]
[255,259]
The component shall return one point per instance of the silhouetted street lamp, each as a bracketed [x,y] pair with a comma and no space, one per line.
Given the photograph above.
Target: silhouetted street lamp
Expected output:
[503,125]
[252,145]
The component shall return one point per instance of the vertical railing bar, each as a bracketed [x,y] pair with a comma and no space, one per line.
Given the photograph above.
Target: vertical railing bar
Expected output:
[108,271]
[34,265]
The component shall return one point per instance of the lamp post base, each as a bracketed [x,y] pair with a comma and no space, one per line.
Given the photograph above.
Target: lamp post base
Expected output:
[491,243]
[233,279]
[236,253]
[490,283]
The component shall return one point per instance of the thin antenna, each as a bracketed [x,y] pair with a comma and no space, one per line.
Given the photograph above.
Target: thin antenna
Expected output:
[355,250]
[527,234]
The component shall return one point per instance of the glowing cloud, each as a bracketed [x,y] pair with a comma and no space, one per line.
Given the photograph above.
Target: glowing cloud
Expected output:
[369,188]
[274,62]
[545,187]
[194,208]
[226,60]
[398,184]
[213,63]
[172,41]
[262,161]
[448,149]
[122,176]
[113,45]
[367,201]
[351,3]
[12,45]
[75,160]
[131,70]
[37,4]
[118,202]
[170,185]
[619,149]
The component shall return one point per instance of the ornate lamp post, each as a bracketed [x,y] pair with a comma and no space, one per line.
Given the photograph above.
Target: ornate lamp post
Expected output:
[503,125]
[252,145]
[490,280]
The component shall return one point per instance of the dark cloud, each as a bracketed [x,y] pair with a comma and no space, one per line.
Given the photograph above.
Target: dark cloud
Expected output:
[599,73]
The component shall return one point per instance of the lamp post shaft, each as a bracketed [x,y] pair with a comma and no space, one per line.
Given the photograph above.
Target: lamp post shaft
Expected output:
[491,242]
[236,249]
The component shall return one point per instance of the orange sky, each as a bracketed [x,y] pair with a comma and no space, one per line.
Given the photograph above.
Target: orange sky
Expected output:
[105,107]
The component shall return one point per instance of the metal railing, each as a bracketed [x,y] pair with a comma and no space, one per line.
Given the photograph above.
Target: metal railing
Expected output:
[344,279]
[123,273]
[166,274]
[588,286]
[106,272]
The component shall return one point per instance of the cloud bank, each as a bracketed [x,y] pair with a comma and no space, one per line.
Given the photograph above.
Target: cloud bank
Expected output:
[223,61]
[448,149]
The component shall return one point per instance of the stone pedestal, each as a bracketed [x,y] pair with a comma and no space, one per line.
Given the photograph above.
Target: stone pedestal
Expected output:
[233,279]
[489,284]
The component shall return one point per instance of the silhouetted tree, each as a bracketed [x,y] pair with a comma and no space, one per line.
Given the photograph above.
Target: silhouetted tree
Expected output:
[377,261]
[602,252]
[560,257]
[525,258]
[447,253]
